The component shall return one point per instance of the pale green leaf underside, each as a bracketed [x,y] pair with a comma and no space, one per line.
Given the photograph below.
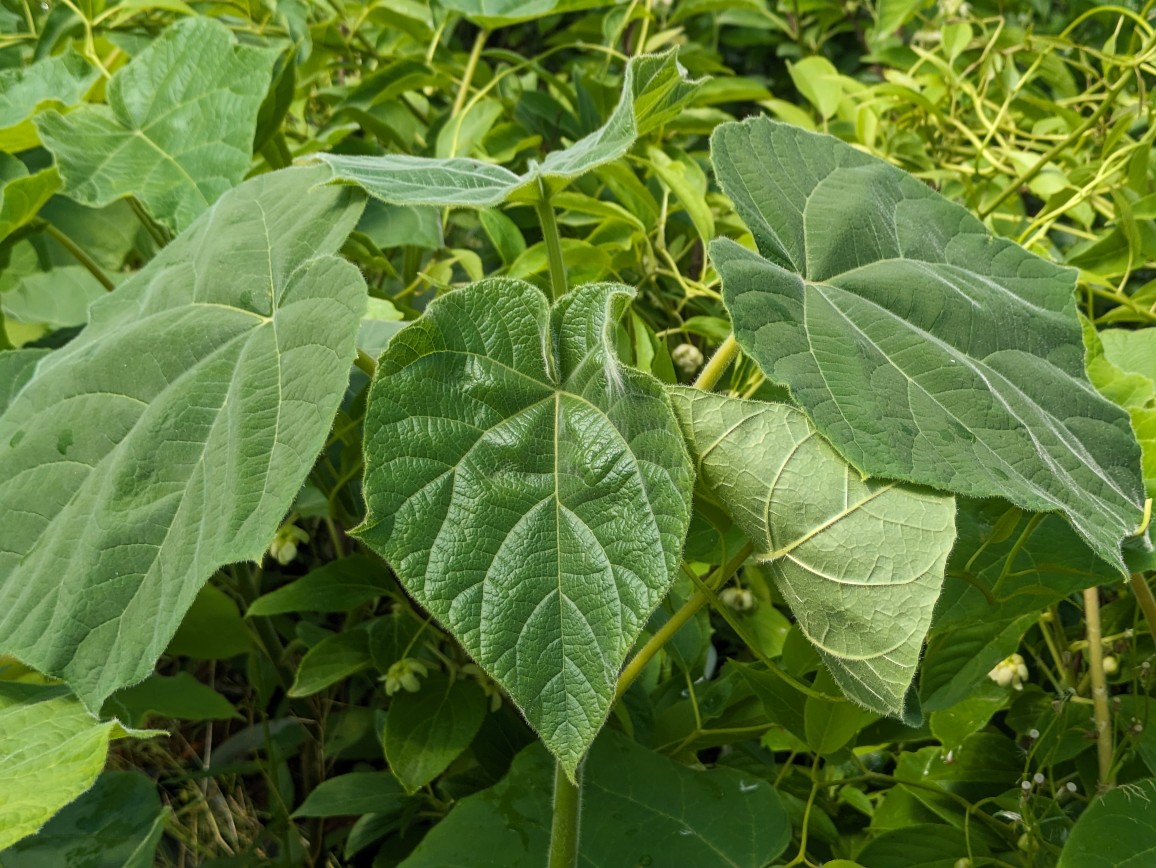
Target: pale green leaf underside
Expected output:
[178,129]
[54,81]
[923,348]
[530,492]
[860,562]
[51,751]
[654,91]
[170,437]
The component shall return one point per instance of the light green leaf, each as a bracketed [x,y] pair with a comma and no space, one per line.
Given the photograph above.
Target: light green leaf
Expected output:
[822,528]
[178,129]
[335,587]
[58,298]
[654,91]
[22,194]
[51,751]
[116,824]
[923,348]
[1118,830]
[503,13]
[535,502]
[819,83]
[59,81]
[170,437]
[16,369]
[1122,365]
[353,793]
[688,183]
[427,730]
[639,808]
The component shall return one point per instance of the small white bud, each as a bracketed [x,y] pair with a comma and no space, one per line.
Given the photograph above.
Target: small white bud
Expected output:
[1111,665]
[739,599]
[283,549]
[687,358]
[1010,672]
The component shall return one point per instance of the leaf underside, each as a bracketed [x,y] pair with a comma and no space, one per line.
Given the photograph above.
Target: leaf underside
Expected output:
[922,347]
[860,562]
[170,437]
[530,492]
[655,89]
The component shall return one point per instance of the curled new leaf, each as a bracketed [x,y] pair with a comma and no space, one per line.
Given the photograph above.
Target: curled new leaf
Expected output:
[530,491]
[860,562]
[923,348]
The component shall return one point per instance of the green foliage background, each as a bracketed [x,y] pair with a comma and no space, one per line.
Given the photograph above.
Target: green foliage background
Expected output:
[312,711]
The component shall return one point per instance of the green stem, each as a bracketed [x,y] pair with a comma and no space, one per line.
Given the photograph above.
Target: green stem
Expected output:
[155,231]
[78,254]
[714,369]
[567,817]
[552,240]
[1100,711]
[468,75]
[1145,599]
[366,362]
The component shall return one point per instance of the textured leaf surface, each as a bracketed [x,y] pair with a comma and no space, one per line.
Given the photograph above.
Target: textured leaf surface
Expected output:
[860,562]
[170,436]
[530,491]
[1118,830]
[51,751]
[116,824]
[178,128]
[54,81]
[639,808]
[923,348]
[654,91]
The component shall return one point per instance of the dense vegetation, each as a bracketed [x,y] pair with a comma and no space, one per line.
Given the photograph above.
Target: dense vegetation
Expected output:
[731,423]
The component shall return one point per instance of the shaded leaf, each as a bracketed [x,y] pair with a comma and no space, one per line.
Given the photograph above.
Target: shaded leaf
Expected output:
[535,500]
[178,129]
[353,793]
[22,194]
[170,437]
[822,528]
[334,587]
[332,659]
[923,348]
[180,696]
[1118,830]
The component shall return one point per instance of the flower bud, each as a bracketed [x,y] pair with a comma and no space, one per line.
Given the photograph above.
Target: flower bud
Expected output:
[687,358]
[1010,672]
[404,674]
[739,599]
[283,549]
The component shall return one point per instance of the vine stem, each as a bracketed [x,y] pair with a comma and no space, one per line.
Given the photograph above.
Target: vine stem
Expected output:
[567,818]
[1099,687]
[714,369]
[468,75]
[552,240]
[78,254]
[1145,599]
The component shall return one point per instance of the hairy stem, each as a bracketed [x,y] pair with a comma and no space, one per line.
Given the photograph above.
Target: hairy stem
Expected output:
[1099,688]
[714,369]
[567,817]
[553,242]
[78,254]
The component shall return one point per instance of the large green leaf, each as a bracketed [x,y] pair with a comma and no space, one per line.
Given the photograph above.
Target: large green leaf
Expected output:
[51,751]
[178,129]
[503,13]
[923,348]
[530,491]
[639,808]
[1118,830]
[655,89]
[860,562]
[54,81]
[171,436]
[116,824]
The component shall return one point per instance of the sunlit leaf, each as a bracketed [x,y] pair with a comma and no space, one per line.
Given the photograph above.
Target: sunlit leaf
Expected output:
[58,81]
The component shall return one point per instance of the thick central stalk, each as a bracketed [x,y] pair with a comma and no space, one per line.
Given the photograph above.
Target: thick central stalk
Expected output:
[567,816]
[552,240]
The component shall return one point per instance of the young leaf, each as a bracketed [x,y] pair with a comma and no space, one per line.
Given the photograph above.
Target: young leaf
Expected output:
[655,89]
[22,194]
[923,348]
[54,81]
[822,529]
[334,587]
[530,491]
[178,129]
[170,436]
[1122,365]
[353,793]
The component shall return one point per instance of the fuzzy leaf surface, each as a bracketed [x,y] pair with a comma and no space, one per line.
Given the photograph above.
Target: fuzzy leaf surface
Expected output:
[178,128]
[530,491]
[170,437]
[923,348]
[860,562]
[654,91]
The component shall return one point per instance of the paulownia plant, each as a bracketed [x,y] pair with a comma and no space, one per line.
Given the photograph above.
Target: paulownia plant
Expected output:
[530,490]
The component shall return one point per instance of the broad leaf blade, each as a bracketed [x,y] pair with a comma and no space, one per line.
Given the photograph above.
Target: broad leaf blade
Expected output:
[503,13]
[170,436]
[1117,830]
[22,194]
[178,129]
[535,500]
[923,348]
[654,90]
[822,529]
[54,81]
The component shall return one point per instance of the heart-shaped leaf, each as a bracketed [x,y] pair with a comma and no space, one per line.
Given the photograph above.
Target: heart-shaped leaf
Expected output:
[178,129]
[170,437]
[860,562]
[655,89]
[922,347]
[530,491]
